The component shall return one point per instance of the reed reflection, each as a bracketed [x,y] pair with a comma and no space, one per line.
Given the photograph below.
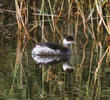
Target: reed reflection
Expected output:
[49,60]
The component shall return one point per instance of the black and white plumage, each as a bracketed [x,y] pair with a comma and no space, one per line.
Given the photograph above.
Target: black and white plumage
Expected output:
[52,49]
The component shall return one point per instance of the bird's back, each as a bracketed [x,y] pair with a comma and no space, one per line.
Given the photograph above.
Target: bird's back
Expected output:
[47,48]
[53,46]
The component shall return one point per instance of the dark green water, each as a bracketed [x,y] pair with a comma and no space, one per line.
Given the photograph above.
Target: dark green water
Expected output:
[29,81]
[51,82]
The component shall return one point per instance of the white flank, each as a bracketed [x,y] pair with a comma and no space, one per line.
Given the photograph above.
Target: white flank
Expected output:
[43,50]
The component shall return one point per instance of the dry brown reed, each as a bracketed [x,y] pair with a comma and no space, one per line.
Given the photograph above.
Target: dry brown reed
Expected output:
[88,12]
[22,39]
[91,17]
[99,63]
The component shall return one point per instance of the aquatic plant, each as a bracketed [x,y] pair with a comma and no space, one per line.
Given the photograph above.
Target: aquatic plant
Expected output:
[42,20]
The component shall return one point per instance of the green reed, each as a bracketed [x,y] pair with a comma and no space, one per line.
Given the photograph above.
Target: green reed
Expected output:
[93,17]
[89,12]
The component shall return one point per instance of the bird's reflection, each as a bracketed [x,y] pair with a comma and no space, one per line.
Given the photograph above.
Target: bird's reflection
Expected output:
[47,60]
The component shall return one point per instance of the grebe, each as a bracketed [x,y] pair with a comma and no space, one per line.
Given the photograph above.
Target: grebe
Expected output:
[52,49]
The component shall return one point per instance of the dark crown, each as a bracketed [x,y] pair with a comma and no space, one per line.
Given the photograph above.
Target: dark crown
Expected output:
[69,38]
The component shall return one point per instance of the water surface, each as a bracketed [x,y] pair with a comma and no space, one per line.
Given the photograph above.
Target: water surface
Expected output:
[51,82]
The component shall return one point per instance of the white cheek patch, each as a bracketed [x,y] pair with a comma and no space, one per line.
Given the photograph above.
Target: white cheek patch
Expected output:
[65,42]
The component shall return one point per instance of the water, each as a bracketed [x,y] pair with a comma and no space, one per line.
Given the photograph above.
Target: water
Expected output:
[22,79]
[51,82]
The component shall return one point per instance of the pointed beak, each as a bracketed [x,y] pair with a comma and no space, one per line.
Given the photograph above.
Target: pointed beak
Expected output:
[73,42]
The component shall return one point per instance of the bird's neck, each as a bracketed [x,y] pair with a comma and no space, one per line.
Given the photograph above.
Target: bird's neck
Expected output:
[66,45]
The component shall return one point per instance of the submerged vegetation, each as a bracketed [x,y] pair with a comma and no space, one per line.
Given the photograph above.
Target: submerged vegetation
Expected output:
[42,20]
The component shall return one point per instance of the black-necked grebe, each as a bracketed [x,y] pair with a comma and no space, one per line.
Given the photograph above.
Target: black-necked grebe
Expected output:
[53,49]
